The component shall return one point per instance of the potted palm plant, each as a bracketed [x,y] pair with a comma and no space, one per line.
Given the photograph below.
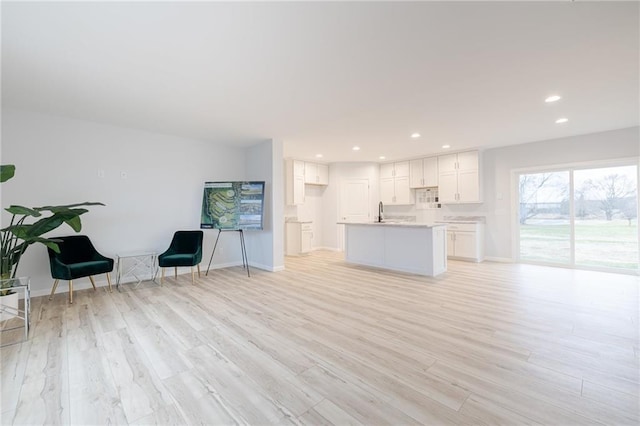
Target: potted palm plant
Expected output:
[27,226]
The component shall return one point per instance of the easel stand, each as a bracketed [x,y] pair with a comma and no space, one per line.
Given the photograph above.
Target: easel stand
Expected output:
[243,248]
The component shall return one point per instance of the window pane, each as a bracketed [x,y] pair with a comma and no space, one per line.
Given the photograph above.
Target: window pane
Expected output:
[545,233]
[606,223]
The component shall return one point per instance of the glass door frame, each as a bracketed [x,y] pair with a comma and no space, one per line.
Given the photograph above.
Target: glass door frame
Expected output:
[571,168]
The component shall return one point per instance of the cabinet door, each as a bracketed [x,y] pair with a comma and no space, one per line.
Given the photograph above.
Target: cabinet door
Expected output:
[447,163]
[298,189]
[468,160]
[310,172]
[402,191]
[451,243]
[416,176]
[293,239]
[448,187]
[298,168]
[468,186]
[323,174]
[305,245]
[387,190]
[401,169]
[386,170]
[466,245]
[294,182]
[430,171]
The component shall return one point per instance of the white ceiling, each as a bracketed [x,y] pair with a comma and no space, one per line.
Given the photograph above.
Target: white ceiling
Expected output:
[323,77]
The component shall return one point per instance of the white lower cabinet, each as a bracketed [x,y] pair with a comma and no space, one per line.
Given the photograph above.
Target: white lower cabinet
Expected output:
[465,241]
[299,237]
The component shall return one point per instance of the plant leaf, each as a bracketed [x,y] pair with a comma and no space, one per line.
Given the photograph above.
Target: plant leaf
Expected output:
[74,223]
[22,210]
[68,206]
[6,172]
[44,225]
[49,242]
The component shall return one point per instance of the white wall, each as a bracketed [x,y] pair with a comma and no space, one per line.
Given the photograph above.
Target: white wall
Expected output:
[265,248]
[58,161]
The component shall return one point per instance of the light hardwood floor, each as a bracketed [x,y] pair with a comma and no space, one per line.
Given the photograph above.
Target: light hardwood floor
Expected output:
[325,342]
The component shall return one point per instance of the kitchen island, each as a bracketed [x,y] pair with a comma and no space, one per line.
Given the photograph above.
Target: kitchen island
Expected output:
[417,248]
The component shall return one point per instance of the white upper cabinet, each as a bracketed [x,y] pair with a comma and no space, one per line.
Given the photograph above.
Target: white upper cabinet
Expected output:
[316,174]
[323,174]
[394,183]
[386,170]
[392,170]
[423,172]
[310,172]
[459,178]
[294,182]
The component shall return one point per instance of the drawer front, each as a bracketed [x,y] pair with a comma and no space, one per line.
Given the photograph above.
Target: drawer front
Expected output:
[468,227]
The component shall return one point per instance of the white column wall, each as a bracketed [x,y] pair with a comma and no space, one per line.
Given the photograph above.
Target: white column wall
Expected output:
[265,248]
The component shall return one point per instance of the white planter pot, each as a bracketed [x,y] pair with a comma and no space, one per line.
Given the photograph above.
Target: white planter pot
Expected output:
[8,306]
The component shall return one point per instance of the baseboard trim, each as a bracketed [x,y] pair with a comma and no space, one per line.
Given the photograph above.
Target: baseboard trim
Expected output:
[326,248]
[499,259]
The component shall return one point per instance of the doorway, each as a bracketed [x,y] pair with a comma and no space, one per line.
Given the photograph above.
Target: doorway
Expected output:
[354,204]
[584,217]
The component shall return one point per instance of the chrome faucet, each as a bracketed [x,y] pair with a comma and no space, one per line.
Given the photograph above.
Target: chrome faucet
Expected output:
[380,210]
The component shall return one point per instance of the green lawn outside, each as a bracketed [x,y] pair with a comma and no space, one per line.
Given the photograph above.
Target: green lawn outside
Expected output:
[598,243]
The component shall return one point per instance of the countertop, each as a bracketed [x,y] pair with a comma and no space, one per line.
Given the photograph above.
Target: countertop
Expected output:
[396,224]
[444,222]
[462,219]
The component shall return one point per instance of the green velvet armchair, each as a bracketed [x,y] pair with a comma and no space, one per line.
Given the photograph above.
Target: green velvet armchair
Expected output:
[77,258]
[185,250]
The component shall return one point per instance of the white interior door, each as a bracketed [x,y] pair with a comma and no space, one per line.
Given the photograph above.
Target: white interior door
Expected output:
[354,204]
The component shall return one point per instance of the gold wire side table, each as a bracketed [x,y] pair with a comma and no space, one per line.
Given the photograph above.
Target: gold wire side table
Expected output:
[137,265]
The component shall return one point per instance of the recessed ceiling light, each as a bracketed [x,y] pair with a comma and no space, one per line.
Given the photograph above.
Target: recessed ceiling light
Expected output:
[562,120]
[356,148]
[318,155]
[552,98]
[446,146]
[382,157]
[415,135]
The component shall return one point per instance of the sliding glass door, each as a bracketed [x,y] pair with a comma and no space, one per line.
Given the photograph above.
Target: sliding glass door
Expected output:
[586,217]
[606,217]
[545,226]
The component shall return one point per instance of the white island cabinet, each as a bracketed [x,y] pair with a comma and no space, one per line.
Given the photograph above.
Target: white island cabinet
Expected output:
[407,247]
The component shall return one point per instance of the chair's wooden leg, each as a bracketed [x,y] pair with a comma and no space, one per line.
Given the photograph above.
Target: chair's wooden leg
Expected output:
[53,289]
[109,281]
[93,283]
[70,291]
[198,270]
[162,276]
[193,280]
[175,272]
